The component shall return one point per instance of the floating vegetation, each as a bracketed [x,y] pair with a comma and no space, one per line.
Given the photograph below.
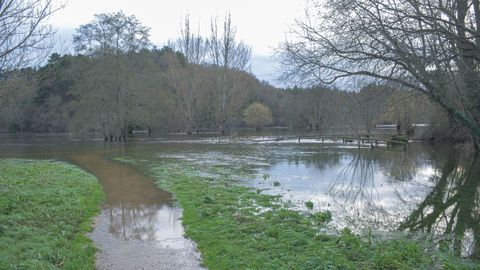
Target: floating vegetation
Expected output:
[309,205]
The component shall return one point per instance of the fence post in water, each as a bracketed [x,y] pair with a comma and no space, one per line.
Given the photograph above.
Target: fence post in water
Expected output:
[298,139]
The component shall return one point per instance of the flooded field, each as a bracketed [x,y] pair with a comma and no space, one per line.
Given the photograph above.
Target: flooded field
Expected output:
[139,226]
[424,189]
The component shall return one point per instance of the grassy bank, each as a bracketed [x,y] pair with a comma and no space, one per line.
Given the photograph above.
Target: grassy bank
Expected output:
[46,208]
[239,228]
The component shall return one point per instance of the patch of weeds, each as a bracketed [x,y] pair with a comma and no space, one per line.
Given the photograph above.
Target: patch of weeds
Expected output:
[208,199]
[276,184]
[320,218]
[309,205]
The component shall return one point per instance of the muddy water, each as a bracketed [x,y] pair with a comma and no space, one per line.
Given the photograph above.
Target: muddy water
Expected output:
[139,227]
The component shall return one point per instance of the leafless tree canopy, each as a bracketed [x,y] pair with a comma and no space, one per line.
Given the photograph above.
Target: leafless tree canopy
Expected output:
[429,46]
[226,55]
[24,34]
[185,71]
[192,45]
[224,49]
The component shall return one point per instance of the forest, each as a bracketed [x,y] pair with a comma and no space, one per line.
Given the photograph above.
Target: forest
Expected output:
[116,82]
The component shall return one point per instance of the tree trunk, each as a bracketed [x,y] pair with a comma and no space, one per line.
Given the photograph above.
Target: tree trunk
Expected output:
[476,145]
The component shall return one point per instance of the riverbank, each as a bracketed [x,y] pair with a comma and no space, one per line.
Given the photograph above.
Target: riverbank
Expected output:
[46,209]
[236,227]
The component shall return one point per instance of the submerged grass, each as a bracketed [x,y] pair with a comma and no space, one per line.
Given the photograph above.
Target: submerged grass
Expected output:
[236,227]
[45,210]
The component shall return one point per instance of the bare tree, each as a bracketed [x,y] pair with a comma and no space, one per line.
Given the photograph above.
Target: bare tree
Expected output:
[25,36]
[430,46]
[185,72]
[227,54]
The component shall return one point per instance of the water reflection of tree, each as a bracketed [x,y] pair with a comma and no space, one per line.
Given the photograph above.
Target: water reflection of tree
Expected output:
[141,222]
[369,192]
[355,181]
[356,193]
[452,206]
[401,166]
[449,202]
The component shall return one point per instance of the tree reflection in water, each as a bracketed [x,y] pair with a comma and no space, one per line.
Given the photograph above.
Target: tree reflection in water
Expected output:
[134,209]
[145,222]
[366,191]
[384,191]
[452,206]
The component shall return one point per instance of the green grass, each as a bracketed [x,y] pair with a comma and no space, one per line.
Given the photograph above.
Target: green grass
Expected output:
[46,207]
[236,227]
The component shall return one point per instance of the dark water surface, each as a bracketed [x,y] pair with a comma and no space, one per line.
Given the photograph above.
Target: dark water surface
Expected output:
[423,189]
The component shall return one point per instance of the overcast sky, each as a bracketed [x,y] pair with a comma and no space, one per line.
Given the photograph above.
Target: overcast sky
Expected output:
[260,23]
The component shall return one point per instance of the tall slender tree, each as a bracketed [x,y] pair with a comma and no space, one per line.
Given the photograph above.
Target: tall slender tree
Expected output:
[227,55]
[185,72]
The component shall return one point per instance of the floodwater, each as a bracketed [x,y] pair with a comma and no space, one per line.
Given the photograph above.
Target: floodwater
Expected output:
[423,190]
[139,226]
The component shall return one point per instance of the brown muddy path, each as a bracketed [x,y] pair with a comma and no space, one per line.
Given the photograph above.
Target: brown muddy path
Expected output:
[138,227]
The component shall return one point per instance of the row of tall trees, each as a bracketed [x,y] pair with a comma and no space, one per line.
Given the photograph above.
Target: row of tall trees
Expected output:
[82,94]
[224,54]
